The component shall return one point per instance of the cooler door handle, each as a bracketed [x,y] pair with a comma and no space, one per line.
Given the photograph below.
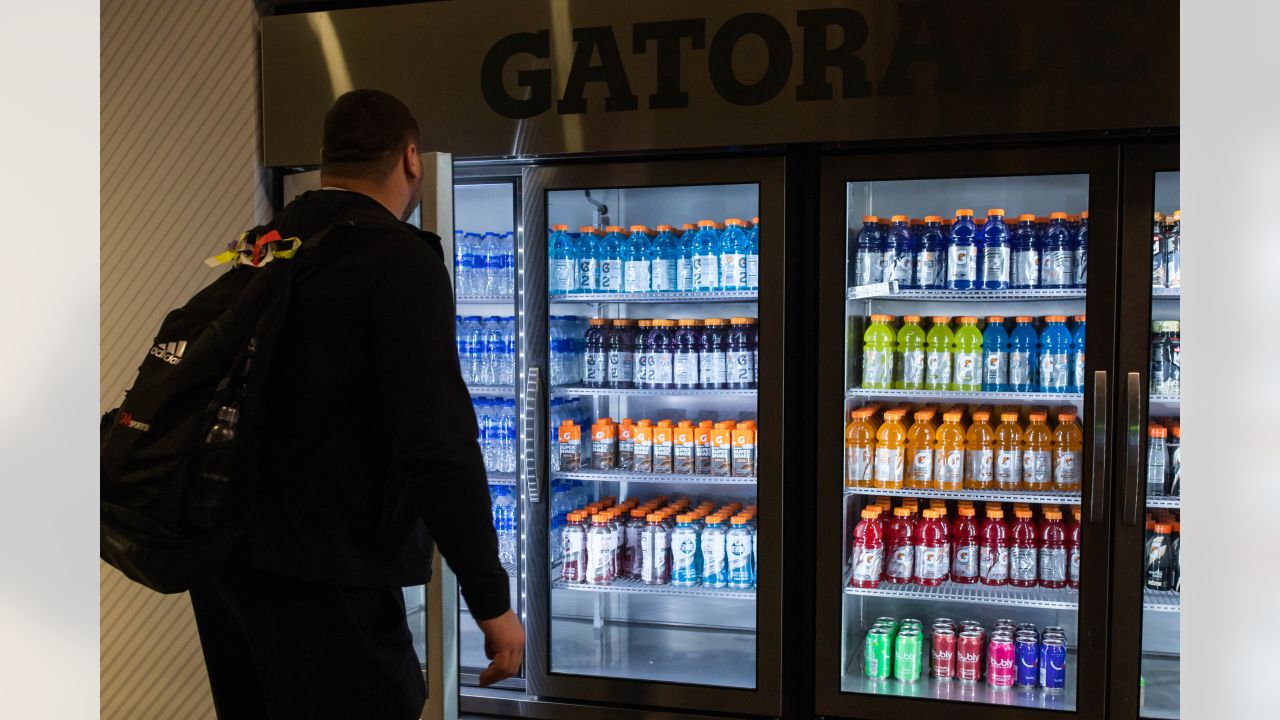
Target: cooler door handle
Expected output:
[1101,441]
[535,434]
[1133,448]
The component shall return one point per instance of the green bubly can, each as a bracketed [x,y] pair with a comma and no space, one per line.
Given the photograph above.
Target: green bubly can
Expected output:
[878,655]
[908,654]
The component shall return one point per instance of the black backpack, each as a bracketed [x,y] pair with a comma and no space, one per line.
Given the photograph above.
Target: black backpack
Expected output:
[179,455]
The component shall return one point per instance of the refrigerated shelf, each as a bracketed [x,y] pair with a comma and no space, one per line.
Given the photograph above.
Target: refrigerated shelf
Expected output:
[1162,293]
[501,478]
[889,291]
[487,390]
[624,476]
[711,296]
[956,691]
[1164,501]
[1166,399]
[575,391]
[635,587]
[1067,498]
[1161,600]
[1004,595]
[962,395]
[468,299]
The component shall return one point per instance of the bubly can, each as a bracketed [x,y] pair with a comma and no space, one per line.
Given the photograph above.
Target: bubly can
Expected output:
[1004,624]
[1055,629]
[1030,627]
[1053,664]
[942,656]
[886,620]
[1000,661]
[878,654]
[945,621]
[969,656]
[1026,651]
[907,655]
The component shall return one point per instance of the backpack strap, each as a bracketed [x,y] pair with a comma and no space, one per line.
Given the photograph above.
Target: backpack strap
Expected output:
[249,249]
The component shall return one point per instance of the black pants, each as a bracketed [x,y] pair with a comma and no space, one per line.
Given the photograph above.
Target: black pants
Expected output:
[276,647]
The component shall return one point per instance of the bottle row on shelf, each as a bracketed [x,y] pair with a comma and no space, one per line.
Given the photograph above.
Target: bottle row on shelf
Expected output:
[1163,563]
[995,253]
[502,501]
[886,454]
[925,548]
[716,448]
[484,263]
[1014,654]
[1166,357]
[1166,250]
[659,543]
[486,349]
[496,422]
[707,257]
[1164,457]
[659,354]
[973,360]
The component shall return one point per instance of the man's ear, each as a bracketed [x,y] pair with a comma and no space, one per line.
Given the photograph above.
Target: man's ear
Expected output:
[412,162]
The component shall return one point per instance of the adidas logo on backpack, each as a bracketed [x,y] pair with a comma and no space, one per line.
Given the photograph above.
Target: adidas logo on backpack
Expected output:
[170,352]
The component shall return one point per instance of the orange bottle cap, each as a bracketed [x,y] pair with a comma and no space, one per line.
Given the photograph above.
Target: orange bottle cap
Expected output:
[645,323]
[1078,318]
[964,212]
[1066,417]
[929,514]
[910,318]
[968,320]
[688,226]
[966,511]
[742,321]
[902,511]
[952,416]
[869,513]
[1023,319]
[1026,217]
[706,223]
[995,318]
[588,229]
[1163,528]
[1084,214]
[898,218]
[622,322]
[639,229]
[560,227]
[1022,512]
[613,229]
[940,320]
[981,416]
[1158,431]
[881,318]
[684,518]
[995,513]
[713,321]
[870,219]
[734,221]
[665,228]
[739,520]
[1037,416]
[1058,216]
[1055,318]
[1052,514]
[664,323]
[933,218]
[597,321]
[995,211]
[688,322]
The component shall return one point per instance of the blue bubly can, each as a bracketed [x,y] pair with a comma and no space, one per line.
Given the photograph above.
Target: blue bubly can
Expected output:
[1053,664]
[1026,653]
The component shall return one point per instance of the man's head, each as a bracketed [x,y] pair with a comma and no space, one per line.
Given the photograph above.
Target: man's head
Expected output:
[371,146]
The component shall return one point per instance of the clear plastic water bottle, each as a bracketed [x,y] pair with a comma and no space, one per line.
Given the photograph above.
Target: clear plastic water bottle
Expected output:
[460,339]
[508,375]
[508,457]
[459,243]
[504,520]
[508,241]
[473,330]
[480,406]
[472,265]
[493,351]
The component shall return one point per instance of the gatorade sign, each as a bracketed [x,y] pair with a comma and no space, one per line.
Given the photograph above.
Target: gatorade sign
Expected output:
[511,77]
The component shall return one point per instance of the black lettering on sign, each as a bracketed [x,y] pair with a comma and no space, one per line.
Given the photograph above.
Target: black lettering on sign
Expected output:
[720,59]
[538,82]
[941,50]
[818,56]
[610,71]
[668,35]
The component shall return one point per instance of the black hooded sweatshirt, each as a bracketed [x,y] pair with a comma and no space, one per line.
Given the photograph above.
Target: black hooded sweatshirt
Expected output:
[373,450]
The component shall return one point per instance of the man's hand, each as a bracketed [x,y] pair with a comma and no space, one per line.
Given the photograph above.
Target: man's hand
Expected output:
[504,645]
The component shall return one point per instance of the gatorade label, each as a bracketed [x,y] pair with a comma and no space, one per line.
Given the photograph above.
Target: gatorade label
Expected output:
[912,368]
[1054,372]
[948,468]
[1073,566]
[967,364]
[610,276]
[714,569]
[1008,468]
[866,268]
[712,369]
[733,270]
[995,264]
[965,562]
[1077,371]
[593,368]
[903,268]
[1082,266]
[753,272]
[571,546]
[599,558]
[1066,467]
[706,274]
[922,467]
[684,274]
[1035,469]
[621,366]
[563,275]
[981,470]
[683,459]
[684,557]
[635,276]
[877,368]
[664,275]
[739,560]
[653,550]
[1022,564]
[721,463]
[1019,368]
[931,563]
[660,370]
[739,367]
[641,372]
[961,263]
[1053,564]
[993,563]
[901,561]
[995,370]
[1026,268]
[589,274]
[927,268]
[1058,268]
[685,369]
[858,466]
[868,563]
[889,465]
[939,369]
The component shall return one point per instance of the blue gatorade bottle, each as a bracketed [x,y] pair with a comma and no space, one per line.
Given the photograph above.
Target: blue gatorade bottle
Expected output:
[637,261]
[733,255]
[899,253]
[1082,251]
[753,255]
[686,250]
[1024,273]
[962,252]
[1077,356]
[664,259]
[931,255]
[995,356]
[1057,264]
[1022,355]
[995,251]
[588,255]
[866,254]
[706,257]
[1055,355]
[610,254]
[564,268]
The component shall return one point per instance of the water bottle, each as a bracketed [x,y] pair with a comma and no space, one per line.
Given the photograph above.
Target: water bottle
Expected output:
[474,331]
[508,377]
[459,244]
[493,347]
[482,428]
[460,339]
[508,242]
[472,265]
[509,436]
[504,514]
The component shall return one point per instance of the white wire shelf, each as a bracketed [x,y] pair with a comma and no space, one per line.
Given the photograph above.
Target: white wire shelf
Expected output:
[1164,501]
[488,390]
[578,391]
[469,299]
[1003,595]
[1161,600]
[1047,397]
[640,477]
[1165,399]
[706,296]
[635,587]
[1066,498]
[890,291]
[1163,293]
[501,478]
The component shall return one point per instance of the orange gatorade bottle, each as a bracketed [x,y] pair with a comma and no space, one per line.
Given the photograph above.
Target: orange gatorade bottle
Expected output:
[1008,455]
[890,449]
[859,450]
[948,456]
[1037,454]
[979,453]
[920,451]
[1068,446]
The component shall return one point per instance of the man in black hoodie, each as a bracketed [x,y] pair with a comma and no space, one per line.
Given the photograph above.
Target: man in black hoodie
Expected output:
[373,455]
